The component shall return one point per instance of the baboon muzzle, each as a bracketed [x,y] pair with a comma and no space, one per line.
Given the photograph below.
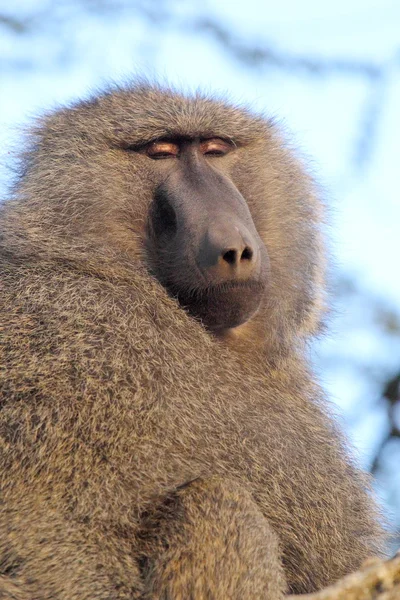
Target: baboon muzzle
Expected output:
[205,247]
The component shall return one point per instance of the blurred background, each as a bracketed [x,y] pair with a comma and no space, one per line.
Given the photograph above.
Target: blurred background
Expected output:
[330,73]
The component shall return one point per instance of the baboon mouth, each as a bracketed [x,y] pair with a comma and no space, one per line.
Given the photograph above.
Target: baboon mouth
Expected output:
[223,305]
[255,286]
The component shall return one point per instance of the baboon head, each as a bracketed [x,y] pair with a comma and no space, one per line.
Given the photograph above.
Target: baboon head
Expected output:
[204,195]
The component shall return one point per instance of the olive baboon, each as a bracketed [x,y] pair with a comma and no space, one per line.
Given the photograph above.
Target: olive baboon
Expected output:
[162,435]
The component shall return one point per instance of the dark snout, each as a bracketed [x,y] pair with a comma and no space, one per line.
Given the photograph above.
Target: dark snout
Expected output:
[206,249]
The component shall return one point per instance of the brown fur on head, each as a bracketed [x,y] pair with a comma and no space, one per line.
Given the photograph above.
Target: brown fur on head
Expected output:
[96,193]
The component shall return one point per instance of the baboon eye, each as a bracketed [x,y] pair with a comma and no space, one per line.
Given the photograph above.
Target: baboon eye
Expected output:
[162,149]
[216,147]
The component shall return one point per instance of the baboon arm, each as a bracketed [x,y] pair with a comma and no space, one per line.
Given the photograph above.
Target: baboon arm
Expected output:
[209,540]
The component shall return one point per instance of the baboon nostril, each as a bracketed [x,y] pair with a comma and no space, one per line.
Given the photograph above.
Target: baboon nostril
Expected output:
[230,256]
[247,254]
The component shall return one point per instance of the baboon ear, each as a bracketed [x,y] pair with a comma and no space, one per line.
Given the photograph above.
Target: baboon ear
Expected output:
[314,316]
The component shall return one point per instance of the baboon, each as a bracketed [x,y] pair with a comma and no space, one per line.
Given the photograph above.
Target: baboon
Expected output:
[162,432]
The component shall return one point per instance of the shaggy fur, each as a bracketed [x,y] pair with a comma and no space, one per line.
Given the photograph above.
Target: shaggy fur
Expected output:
[142,456]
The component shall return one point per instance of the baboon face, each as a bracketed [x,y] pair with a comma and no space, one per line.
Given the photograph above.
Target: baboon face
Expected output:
[201,239]
[203,194]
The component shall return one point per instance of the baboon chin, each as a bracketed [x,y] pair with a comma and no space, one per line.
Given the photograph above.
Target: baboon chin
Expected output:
[146,450]
[223,306]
